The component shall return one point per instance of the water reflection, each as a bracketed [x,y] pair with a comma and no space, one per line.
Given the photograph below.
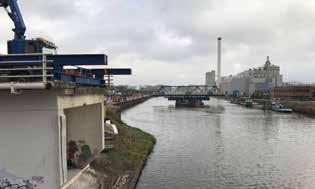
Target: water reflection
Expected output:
[225,146]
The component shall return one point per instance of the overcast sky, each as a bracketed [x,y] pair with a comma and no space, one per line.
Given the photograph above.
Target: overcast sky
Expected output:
[174,41]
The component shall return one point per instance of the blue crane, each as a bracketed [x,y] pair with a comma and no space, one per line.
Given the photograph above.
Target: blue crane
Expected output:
[21,45]
[29,62]
[16,17]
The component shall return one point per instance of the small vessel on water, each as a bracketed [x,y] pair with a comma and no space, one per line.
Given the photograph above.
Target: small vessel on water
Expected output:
[248,103]
[277,107]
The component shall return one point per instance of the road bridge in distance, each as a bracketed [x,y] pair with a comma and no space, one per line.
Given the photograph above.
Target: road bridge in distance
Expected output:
[188,96]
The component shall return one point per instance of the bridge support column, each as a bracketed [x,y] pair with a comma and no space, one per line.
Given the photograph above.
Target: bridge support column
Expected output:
[188,103]
[35,127]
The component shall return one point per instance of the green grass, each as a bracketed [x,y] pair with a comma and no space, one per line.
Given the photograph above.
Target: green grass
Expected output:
[132,146]
[306,108]
[291,104]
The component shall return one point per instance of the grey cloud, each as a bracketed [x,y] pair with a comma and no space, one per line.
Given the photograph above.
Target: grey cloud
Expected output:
[180,33]
[50,10]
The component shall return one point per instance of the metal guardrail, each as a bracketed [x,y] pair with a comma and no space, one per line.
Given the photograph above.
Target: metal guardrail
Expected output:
[21,71]
[25,77]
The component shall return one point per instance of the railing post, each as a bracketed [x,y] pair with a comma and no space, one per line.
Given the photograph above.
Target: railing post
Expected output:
[44,68]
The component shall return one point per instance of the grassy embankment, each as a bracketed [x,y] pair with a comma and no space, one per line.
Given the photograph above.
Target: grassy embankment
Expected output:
[123,164]
[301,107]
[132,145]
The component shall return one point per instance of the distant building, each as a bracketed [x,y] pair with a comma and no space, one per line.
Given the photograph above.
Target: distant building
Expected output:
[294,92]
[260,79]
[210,78]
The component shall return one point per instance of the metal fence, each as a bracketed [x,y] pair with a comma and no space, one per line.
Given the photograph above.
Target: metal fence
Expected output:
[20,75]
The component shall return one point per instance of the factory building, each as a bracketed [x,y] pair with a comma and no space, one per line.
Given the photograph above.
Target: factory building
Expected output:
[210,78]
[261,79]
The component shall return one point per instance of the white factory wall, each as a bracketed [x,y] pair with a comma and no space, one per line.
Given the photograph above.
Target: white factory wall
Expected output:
[29,139]
[239,84]
[225,86]
[253,84]
[228,86]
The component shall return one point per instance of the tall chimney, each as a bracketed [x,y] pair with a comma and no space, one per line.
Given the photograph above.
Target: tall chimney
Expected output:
[219,62]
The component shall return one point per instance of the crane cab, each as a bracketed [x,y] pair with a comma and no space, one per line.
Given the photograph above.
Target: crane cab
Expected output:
[31,46]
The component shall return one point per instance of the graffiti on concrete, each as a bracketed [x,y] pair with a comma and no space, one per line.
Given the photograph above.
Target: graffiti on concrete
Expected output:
[11,181]
[38,179]
[79,154]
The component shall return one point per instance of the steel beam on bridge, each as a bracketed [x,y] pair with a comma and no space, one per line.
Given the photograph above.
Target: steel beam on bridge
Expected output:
[187,86]
[56,63]
[118,71]
[53,60]
[196,97]
[112,71]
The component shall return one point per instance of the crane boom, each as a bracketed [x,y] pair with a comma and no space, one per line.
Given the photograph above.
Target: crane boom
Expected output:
[16,16]
[21,45]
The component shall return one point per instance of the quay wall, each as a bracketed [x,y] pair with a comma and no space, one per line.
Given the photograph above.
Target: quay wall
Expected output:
[121,106]
[302,107]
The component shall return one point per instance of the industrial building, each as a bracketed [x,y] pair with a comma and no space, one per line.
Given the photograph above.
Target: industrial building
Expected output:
[261,79]
[210,78]
[298,92]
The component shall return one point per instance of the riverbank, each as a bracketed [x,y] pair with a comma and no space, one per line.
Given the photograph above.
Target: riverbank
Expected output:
[120,167]
[302,107]
[121,106]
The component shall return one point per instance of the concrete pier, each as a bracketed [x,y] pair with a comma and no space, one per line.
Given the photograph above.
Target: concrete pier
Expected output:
[36,128]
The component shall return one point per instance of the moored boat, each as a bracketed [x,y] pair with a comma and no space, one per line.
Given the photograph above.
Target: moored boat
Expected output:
[277,107]
[248,103]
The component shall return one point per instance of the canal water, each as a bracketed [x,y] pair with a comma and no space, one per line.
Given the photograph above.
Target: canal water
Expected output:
[225,146]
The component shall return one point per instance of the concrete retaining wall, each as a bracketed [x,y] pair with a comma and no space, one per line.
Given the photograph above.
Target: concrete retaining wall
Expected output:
[129,104]
[33,132]
[29,139]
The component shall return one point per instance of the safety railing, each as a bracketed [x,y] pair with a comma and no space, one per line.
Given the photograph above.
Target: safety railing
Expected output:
[17,75]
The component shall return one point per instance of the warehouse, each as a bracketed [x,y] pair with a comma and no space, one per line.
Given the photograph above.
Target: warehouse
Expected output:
[299,92]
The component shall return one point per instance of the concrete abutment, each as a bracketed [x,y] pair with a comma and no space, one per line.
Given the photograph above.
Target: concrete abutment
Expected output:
[36,127]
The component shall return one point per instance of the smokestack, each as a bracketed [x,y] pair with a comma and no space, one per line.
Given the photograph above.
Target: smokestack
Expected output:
[219,62]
